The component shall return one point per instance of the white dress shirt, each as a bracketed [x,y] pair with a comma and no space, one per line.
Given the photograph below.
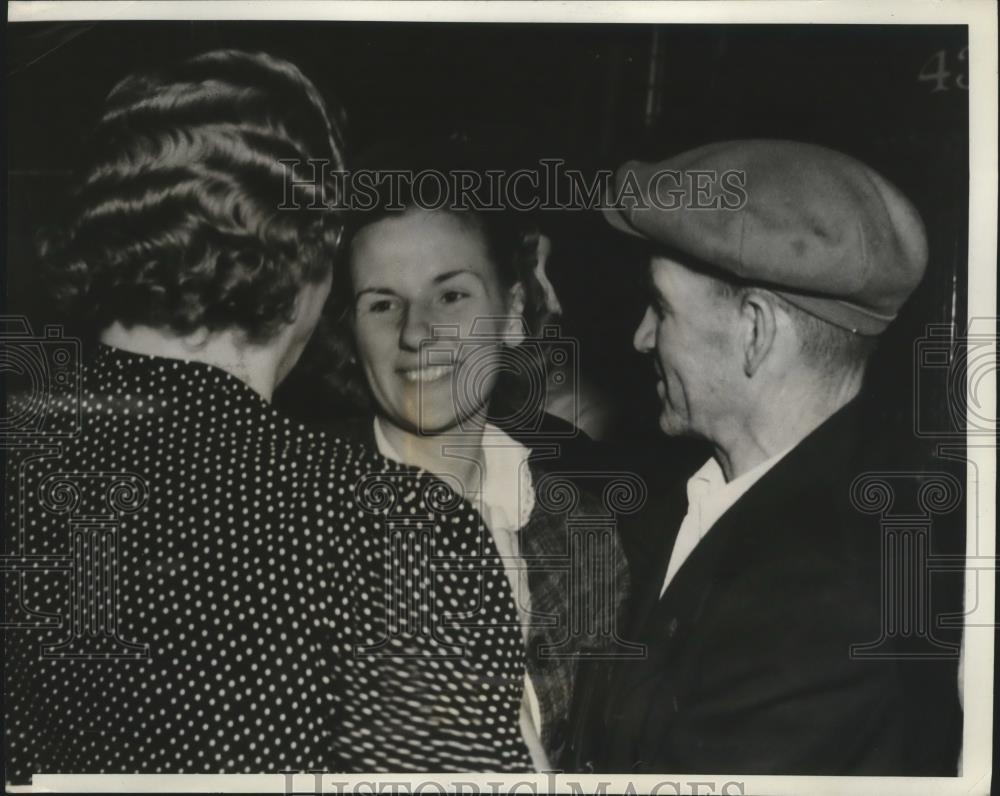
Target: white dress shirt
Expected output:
[709,497]
[505,504]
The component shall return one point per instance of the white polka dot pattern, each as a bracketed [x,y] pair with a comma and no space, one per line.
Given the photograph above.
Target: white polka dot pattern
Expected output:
[291,622]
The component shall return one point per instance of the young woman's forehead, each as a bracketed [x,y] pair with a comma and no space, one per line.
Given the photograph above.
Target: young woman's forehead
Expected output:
[420,246]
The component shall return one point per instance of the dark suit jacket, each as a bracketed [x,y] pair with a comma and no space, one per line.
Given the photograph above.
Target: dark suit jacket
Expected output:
[748,667]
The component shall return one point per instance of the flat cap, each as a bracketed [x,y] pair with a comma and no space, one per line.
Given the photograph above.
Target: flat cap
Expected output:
[824,230]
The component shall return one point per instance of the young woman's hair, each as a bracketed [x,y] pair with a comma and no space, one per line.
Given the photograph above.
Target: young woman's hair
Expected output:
[184,214]
[510,236]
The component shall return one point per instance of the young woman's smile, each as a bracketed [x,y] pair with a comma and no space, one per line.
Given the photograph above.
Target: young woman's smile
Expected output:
[427,301]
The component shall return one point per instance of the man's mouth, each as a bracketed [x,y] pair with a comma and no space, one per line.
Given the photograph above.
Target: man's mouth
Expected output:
[427,374]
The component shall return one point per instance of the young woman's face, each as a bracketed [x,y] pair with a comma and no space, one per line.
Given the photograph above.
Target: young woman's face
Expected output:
[430,316]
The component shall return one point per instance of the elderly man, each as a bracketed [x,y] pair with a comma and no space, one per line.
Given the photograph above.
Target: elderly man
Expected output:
[765,305]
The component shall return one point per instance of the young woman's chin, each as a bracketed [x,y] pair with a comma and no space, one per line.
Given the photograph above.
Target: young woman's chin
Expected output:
[441,420]
[439,407]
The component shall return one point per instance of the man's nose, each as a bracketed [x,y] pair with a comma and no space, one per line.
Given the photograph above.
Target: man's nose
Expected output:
[644,338]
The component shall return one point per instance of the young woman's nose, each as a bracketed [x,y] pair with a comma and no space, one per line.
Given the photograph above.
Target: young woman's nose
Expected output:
[415,328]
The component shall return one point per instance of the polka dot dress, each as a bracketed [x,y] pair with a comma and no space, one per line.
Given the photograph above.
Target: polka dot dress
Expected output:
[283,601]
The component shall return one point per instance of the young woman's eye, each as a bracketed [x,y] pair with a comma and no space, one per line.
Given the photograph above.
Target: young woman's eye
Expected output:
[380,307]
[453,296]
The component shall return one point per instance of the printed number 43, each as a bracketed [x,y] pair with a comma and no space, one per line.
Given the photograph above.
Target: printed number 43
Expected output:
[936,71]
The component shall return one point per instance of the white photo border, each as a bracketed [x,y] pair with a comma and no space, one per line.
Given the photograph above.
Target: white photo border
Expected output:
[981,18]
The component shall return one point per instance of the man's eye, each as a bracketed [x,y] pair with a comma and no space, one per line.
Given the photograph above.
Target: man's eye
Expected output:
[659,310]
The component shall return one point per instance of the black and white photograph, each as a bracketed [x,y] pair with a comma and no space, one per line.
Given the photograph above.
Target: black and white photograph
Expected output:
[499,397]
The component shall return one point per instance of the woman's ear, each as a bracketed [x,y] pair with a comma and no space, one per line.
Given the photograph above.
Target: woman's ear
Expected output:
[198,339]
[514,330]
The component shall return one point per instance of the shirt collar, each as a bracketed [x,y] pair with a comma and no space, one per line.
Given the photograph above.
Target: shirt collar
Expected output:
[508,492]
[382,443]
[508,495]
[709,490]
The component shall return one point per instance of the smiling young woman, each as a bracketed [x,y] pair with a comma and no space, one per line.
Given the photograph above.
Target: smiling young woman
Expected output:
[432,314]
[429,306]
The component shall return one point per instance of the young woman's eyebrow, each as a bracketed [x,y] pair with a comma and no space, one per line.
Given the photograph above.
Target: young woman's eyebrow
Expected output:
[444,277]
[457,272]
[381,291]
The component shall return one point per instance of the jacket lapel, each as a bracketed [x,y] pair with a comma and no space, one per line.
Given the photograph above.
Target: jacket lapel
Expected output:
[649,540]
[730,540]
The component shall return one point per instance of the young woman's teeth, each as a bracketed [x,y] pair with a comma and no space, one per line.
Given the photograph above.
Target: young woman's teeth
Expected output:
[427,374]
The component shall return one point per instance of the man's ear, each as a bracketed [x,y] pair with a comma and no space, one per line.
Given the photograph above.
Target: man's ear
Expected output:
[514,330]
[758,328]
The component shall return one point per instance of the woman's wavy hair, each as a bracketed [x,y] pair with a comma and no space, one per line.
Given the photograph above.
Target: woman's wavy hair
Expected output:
[183,217]
[510,236]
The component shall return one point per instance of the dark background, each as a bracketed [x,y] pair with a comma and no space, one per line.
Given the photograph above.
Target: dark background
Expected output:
[591,94]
